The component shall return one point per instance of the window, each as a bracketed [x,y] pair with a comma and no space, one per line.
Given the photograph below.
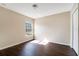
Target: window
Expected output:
[28,28]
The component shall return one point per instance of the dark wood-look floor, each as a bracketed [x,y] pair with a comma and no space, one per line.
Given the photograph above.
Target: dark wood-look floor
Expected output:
[34,49]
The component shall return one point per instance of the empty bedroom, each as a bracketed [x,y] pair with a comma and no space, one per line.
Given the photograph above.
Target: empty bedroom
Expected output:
[39,29]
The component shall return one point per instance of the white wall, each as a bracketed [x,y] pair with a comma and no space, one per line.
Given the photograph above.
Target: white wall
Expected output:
[55,28]
[74,27]
[12,30]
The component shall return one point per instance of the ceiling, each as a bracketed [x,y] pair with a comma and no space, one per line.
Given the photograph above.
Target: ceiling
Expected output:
[43,9]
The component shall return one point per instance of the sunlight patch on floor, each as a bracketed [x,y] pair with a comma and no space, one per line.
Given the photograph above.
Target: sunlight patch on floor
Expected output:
[42,42]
